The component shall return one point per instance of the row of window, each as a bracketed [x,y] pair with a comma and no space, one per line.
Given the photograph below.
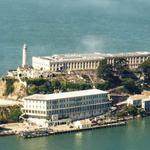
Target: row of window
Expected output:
[34,111]
[55,106]
[68,64]
[34,106]
[35,102]
[78,109]
[76,99]
[70,110]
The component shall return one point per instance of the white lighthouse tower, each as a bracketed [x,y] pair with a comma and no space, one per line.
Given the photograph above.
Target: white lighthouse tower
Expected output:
[24,55]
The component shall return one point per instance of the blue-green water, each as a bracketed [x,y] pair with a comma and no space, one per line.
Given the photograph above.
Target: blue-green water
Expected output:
[67,26]
[134,136]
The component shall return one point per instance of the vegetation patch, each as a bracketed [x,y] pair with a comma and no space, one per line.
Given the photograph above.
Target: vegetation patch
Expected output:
[40,85]
[9,86]
[131,110]
[10,114]
[44,86]
[119,74]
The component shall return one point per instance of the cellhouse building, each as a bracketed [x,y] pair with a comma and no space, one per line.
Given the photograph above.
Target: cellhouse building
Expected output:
[72,62]
[59,108]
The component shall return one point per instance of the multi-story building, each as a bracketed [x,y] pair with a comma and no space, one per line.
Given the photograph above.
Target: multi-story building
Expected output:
[86,61]
[67,62]
[65,107]
[133,59]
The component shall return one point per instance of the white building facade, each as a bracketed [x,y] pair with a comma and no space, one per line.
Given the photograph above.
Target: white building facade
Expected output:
[133,59]
[140,101]
[67,62]
[71,106]
[85,61]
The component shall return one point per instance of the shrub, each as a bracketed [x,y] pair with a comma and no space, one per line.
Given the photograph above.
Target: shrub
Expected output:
[103,86]
[130,85]
[10,114]
[9,86]
[37,82]
[14,114]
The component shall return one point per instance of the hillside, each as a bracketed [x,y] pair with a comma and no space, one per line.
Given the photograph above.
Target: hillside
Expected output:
[11,90]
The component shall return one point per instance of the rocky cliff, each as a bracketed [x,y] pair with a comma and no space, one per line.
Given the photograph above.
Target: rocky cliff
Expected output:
[18,92]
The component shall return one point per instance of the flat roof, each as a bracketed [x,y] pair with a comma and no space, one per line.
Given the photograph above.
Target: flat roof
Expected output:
[5,103]
[65,95]
[144,95]
[138,97]
[90,56]
[73,57]
[128,54]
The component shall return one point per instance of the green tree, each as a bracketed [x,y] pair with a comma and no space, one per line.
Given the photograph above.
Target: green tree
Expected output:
[120,65]
[103,86]
[131,110]
[56,84]
[145,68]
[9,86]
[33,90]
[121,114]
[37,81]
[131,86]
[10,114]
[104,70]
[141,111]
[39,85]
[15,114]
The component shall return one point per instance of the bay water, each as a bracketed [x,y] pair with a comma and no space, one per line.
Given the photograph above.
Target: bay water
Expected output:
[69,26]
[134,136]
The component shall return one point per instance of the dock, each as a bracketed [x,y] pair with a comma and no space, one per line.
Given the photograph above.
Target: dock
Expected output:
[49,132]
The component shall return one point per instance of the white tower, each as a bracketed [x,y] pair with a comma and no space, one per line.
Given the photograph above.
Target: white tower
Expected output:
[24,55]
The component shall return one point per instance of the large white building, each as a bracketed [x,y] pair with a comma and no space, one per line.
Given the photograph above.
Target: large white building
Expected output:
[48,109]
[67,62]
[134,59]
[86,61]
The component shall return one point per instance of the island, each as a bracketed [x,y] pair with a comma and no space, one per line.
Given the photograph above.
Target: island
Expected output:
[74,92]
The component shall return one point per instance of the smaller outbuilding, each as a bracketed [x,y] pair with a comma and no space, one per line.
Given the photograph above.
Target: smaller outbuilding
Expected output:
[82,124]
[140,101]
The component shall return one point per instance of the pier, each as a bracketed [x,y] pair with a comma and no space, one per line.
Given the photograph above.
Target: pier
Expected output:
[48,132]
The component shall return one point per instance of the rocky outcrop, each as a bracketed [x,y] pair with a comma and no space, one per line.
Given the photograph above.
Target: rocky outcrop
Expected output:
[2,88]
[18,92]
